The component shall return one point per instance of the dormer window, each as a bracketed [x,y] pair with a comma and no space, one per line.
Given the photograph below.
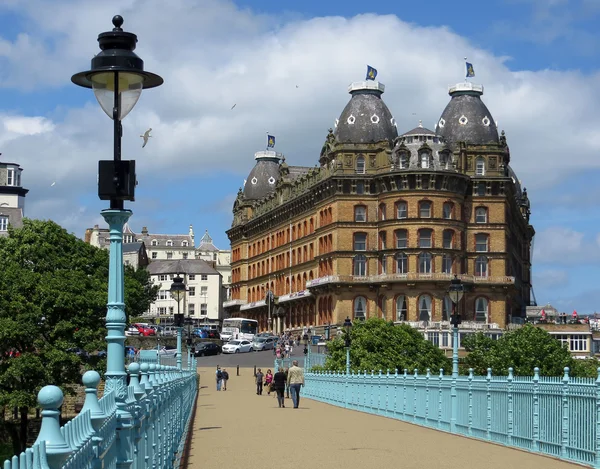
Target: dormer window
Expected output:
[445,159]
[360,165]
[480,166]
[403,160]
[154,242]
[184,244]
[12,177]
[425,159]
[169,243]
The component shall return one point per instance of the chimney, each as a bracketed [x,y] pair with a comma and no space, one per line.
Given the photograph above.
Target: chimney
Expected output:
[145,230]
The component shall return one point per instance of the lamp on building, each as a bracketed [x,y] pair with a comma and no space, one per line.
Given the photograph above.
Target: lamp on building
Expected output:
[117,78]
[178,291]
[348,340]
[456,292]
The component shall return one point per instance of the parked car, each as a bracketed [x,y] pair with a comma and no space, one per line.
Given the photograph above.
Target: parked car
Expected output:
[207,348]
[237,346]
[263,343]
[132,330]
[145,330]
[169,331]
[168,353]
[80,352]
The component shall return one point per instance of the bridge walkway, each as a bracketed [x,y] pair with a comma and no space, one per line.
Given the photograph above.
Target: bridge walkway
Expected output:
[237,428]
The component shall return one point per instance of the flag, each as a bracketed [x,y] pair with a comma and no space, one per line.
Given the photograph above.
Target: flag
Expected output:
[470,70]
[270,141]
[371,73]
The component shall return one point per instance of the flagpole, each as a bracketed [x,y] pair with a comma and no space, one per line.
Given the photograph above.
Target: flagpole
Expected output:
[466,77]
[267,149]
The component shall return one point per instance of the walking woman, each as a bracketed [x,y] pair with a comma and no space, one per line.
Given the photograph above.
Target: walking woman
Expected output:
[268,381]
[279,382]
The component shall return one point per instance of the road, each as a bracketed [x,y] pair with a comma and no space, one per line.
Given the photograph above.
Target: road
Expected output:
[263,359]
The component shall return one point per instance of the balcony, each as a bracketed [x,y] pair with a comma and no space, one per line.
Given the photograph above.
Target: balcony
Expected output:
[230,303]
[409,277]
[445,325]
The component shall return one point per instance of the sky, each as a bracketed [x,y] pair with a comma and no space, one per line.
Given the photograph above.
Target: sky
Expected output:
[286,67]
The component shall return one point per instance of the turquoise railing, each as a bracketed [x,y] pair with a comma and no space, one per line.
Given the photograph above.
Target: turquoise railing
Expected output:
[159,399]
[559,417]
[307,362]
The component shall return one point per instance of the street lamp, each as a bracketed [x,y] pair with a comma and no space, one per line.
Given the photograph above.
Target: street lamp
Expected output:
[348,339]
[455,292]
[117,77]
[178,293]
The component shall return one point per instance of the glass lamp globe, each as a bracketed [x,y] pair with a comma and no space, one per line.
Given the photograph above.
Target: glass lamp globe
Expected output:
[129,88]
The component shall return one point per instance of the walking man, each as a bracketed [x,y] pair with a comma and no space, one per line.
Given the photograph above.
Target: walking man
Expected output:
[219,376]
[259,381]
[225,376]
[295,381]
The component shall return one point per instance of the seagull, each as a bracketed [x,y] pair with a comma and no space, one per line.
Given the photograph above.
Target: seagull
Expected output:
[146,136]
[52,184]
[297,86]
[233,106]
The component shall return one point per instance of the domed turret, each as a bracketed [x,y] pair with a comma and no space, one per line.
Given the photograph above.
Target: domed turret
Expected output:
[264,176]
[366,118]
[466,118]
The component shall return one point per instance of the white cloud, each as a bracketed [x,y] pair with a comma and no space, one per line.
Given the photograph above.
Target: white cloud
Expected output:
[564,246]
[550,279]
[27,125]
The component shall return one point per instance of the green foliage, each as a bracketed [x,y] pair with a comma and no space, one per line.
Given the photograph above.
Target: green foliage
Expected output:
[53,293]
[380,345]
[522,349]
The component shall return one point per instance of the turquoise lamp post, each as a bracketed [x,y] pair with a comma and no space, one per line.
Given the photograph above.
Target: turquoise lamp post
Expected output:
[455,292]
[178,291]
[117,78]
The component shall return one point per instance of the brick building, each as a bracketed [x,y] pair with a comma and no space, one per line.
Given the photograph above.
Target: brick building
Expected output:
[384,223]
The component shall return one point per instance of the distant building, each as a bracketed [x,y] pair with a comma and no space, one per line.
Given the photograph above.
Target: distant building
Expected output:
[203,300]
[220,258]
[135,255]
[12,197]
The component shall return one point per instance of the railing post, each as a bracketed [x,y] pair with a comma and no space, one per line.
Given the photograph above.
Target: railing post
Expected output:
[427,376]
[470,429]
[509,383]
[415,375]
[50,398]
[440,383]
[488,380]
[138,392]
[90,380]
[404,378]
[598,419]
[565,415]
[147,410]
[536,409]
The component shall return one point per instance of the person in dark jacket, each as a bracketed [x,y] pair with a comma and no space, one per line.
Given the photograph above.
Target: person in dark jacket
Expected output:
[279,381]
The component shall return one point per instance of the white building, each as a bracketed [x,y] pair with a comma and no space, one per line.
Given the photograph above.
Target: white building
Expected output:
[221,260]
[203,301]
[12,197]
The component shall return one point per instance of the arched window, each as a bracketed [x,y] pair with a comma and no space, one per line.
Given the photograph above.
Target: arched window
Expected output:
[184,244]
[425,209]
[360,265]
[448,210]
[481,242]
[480,166]
[448,240]
[360,165]
[401,210]
[481,266]
[446,308]
[382,304]
[401,239]
[401,310]
[360,241]
[382,210]
[360,307]
[154,242]
[447,262]
[445,159]
[360,213]
[425,262]
[424,308]
[481,215]
[404,160]
[401,263]
[425,159]
[481,309]
[169,243]
[425,238]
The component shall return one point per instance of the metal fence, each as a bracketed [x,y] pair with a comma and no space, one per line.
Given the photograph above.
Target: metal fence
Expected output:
[559,417]
[151,419]
[306,362]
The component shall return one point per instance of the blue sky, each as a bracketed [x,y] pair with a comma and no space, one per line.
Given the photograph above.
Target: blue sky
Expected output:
[286,68]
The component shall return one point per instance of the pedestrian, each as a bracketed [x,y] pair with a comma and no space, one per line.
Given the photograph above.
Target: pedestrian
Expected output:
[279,385]
[219,375]
[287,386]
[269,381]
[225,377]
[278,352]
[287,350]
[259,382]
[295,380]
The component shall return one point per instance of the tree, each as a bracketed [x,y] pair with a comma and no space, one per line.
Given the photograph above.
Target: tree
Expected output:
[53,293]
[380,345]
[522,349]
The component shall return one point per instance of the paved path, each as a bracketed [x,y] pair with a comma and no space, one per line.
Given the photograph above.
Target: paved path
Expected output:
[238,429]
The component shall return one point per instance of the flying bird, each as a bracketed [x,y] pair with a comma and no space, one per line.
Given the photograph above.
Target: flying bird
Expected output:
[146,136]
[52,184]
[297,86]
[233,106]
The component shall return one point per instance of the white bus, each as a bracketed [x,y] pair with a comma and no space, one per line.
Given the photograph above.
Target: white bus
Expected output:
[239,328]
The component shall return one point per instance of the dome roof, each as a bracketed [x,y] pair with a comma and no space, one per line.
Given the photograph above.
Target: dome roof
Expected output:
[264,176]
[466,118]
[366,118]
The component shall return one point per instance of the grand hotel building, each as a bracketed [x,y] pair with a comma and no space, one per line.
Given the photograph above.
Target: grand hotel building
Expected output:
[384,222]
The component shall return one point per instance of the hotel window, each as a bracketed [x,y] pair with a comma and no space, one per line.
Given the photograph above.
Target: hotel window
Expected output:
[404,160]
[425,209]
[425,263]
[154,242]
[445,159]
[360,265]
[10,177]
[3,223]
[163,294]
[447,264]
[401,239]
[192,277]
[203,309]
[169,255]
[481,242]
[192,291]
[162,310]
[184,243]
[191,309]
[169,243]
[446,308]
[425,308]
[383,265]
[401,311]
[447,210]
[481,215]
[382,212]
[578,343]
[204,277]
[425,159]
[481,189]
[401,263]
[382,240]
[447,241]
[203,291]
[360,165]
[481,309]
[481,266]
[360,241]
[480,166]
[360,307]
[433,337]
[185,255]
[401,210]
[154,255]
[425,236]
[360,213]
[162,278]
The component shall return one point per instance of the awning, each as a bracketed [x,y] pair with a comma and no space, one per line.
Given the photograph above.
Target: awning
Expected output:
[295,296]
